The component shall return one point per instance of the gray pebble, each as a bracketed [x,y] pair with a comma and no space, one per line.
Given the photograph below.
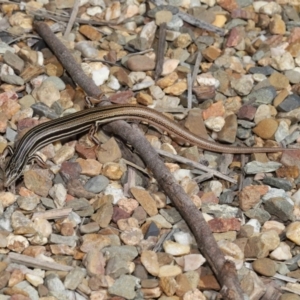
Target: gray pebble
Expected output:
[293,76]
[264,95]
[290,103]
[97,184]
[43,110]
[262,70]
[279,183]
[59,84]
[12,79]
[10,134]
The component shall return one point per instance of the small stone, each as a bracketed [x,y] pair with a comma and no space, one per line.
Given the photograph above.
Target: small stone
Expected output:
[90,32]
[265,267]
[94,262]
[190,262]
[74,278]
[38,181]
[144,198]
[187,282]
[277,25]
[292,232]
[228,133]
[208,282]
[211,53]
[163,16]
[104,214]
[175,249]
[7,199]
[132,236]
[94,241]
[124,286]
[266,128]
[223,225]
[280,207]
[279,81]
[183,40]
[109,152]
[169,270]
[284,62]
[282,252]
[12,79]
[144,99]
[140,63]
[260,245]
[168,80]
[290,103]
[96,184]
[47,93]
[268,8]
[150,262]
[89,167]
[293,75]
[17,243]
[64,153]
[243,86]
[176,89]
[169,66]
[14,61]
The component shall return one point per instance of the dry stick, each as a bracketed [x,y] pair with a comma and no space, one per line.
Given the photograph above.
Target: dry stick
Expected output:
[196,66]
[160,50]
[66,58]
[195,165]
[190,90]
[72,18]
[201,24]
[225,271]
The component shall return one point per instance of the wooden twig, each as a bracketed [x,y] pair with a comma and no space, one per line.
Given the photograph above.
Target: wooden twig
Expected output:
[67,60]
[52,214]
[196,67]
[72,18]
[195,165]
[199,23]
[160,50]
[225,271]
[37,263]
[59,17]
[190,90]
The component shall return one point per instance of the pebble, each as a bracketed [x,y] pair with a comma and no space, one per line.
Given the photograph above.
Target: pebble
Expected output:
[176,249]
[97,184]
[139,63]
[292,232]
[265,266]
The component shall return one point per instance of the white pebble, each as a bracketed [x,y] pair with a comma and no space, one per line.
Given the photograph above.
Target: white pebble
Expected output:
[183,238]
[215,123]
[255,224]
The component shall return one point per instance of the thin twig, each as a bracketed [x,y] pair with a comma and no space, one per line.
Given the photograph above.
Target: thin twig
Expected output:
[37,263]
[140,53]
[201,24]
[195,165]
[64,56]
[72,18]
[196,66]
[190,90]
[101,60]
[160,50]
[129,163]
